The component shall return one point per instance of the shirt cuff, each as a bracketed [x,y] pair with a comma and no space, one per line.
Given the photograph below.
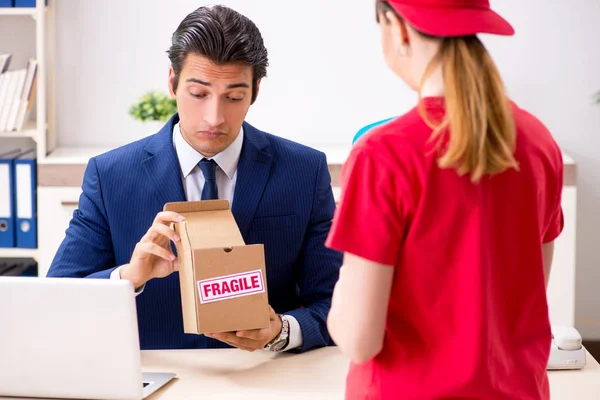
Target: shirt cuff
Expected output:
[296,339]
[117,275]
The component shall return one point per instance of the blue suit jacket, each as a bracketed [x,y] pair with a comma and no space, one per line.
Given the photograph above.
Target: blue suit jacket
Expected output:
[282,199]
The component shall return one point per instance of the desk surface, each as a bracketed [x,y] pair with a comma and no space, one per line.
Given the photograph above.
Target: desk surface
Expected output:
[319,374]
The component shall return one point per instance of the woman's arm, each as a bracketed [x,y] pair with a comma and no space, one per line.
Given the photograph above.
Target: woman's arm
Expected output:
[548,255]
[359,307]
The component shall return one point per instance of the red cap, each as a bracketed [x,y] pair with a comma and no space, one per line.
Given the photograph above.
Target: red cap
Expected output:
[452,17]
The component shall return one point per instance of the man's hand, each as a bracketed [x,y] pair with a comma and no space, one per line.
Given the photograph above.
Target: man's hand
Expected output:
[152,256]
[252,340]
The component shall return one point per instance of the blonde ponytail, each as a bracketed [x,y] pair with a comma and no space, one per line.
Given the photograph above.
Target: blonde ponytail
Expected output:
[478,113]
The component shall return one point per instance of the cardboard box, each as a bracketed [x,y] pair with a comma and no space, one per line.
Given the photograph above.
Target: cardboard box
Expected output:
[223,281]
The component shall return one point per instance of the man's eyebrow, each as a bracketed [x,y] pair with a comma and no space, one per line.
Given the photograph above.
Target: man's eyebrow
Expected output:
[198,81]
[238,85]
[232,86]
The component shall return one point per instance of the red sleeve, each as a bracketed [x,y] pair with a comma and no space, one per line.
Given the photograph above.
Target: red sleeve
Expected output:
[369,221]
[555,227]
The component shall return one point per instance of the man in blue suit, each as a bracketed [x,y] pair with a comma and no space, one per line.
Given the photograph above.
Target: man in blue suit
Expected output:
[280,192]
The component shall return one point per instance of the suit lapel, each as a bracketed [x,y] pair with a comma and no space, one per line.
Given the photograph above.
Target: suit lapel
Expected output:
[164,173]
[252,176]
[162,166]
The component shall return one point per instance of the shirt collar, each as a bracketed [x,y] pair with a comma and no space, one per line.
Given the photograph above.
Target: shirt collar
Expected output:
[189,158]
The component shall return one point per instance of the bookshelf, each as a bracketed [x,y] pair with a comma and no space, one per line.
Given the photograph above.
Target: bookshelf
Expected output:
[29,130]
[18,253]
[19,11]
[39,125]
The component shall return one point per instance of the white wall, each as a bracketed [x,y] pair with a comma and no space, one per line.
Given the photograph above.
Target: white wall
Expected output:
[23,48]
[327,79]
[110,52]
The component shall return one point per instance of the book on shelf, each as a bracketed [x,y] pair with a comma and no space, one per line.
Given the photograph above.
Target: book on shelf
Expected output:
[27,95]
[4,62]
[17,93]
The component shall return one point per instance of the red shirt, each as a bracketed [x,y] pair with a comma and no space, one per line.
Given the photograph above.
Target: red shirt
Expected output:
[468,315]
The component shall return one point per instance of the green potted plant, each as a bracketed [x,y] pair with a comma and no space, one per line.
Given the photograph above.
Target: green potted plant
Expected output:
[153,106]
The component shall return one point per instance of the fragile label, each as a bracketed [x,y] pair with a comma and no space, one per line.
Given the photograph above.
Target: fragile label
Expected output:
[231,286]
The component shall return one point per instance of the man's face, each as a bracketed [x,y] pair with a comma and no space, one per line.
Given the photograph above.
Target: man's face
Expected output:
[212,101]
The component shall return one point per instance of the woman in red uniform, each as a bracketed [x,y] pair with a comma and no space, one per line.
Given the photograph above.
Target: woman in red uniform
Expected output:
[447,221]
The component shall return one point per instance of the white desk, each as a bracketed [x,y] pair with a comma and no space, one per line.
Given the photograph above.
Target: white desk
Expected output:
[319,374]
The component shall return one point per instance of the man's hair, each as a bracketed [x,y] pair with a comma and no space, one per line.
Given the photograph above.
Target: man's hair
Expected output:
[223,36]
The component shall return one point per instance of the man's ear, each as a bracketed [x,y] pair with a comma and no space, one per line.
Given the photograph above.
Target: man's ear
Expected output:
[171,82]
[257,90]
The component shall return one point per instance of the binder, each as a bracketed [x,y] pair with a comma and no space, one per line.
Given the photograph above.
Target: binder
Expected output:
[7,203]
[25,176]
[26,3]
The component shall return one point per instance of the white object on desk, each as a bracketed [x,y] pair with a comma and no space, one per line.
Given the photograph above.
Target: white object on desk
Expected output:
[71,338]
[567,351]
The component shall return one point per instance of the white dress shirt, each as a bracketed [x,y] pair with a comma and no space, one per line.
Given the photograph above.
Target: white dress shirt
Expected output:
[193,179]
[226,177]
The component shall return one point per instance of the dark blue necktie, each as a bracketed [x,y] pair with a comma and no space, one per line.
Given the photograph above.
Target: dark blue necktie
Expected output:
[209,169]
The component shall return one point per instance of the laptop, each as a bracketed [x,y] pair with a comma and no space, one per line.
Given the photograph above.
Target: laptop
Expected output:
[71,338]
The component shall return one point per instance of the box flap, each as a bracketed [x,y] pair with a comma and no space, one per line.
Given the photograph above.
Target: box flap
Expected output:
[208,224]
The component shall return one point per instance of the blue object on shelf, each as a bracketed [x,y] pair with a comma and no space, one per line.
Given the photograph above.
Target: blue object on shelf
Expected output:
[367,128]
[6,3]
[18,193]
[8,211]
[26,201]
[26,3]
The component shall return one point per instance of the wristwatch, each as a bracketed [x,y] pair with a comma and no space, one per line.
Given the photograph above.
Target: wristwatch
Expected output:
[281,341]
